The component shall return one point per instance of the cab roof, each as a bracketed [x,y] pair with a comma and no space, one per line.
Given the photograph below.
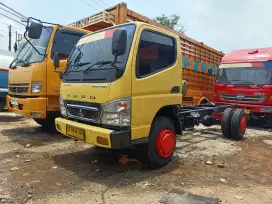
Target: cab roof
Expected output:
[248,55]
[137,23]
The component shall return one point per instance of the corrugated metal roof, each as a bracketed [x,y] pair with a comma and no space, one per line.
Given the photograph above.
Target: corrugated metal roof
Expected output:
[248,55]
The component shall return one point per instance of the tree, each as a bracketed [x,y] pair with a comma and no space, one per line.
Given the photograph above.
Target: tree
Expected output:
[172,21]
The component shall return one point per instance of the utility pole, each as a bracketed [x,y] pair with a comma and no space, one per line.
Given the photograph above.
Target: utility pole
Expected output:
[15,47]
[9,47]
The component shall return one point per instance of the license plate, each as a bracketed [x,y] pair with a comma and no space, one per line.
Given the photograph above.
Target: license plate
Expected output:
[247,111]
[75,132]
[14,101]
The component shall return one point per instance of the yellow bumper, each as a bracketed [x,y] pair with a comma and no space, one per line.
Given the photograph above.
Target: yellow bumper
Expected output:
[29,107]
[96,136]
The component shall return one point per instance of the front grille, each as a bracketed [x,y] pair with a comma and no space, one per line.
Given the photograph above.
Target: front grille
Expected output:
[242,98]
[18,88]
[83,110]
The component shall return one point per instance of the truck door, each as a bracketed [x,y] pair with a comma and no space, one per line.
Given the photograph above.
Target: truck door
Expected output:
[157,78]
[63,43]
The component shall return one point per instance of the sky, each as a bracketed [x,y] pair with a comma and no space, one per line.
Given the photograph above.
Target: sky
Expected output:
[223,25]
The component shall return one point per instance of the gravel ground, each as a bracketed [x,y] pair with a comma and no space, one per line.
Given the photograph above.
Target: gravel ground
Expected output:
[45,167]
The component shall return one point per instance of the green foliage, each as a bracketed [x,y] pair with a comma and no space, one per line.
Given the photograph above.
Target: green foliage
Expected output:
[172,21]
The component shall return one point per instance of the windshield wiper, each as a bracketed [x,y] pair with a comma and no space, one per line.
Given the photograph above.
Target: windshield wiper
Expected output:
[15,60]
[241,81]
[76,66]
[102,63]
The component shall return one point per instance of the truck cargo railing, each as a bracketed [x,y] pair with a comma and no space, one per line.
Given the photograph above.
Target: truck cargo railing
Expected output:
[101,20]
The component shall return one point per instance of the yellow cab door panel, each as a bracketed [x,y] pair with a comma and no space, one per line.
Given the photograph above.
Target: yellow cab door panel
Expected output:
[154,80]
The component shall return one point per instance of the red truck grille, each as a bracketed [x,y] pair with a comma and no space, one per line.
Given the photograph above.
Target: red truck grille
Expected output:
[242,98]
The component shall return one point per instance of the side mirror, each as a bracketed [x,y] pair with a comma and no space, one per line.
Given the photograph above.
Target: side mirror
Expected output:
[35,30]
[119,42]
[210,72]
[56,60]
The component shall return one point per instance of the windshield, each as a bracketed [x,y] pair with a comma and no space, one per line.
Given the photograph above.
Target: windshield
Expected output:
[27,54]
[92,58]
[245,75]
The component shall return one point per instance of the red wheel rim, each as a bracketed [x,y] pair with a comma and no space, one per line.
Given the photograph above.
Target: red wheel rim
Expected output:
[165,143]
[243,124]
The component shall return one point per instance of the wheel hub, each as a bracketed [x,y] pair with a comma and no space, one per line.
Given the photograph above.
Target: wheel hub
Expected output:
[165,143]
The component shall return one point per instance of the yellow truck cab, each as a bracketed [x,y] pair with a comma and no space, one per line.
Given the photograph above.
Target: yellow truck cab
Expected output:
[33,84]
[122,88]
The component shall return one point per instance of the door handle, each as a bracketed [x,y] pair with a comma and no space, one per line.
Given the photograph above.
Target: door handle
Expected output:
[175,89]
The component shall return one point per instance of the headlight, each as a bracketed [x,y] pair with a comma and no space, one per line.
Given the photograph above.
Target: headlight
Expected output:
[117,113]
[62,107]
[36,87]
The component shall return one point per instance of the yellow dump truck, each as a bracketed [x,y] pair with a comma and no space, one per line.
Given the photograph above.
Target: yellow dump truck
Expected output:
[33,84]
[123,89]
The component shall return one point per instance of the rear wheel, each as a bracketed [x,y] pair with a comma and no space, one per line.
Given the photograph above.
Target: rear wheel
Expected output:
[238,124]
[225,122]
[161,143]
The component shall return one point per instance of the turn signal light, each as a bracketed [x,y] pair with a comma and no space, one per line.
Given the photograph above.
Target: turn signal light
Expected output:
[35,114]
[102,140]
[59,127]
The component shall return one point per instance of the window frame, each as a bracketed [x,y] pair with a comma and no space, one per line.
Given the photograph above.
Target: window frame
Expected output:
[60,31]
[137,57]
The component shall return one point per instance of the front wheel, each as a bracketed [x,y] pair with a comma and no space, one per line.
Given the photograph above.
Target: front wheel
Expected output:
[161,143]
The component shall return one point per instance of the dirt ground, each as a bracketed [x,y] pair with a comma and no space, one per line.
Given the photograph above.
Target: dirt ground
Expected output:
[39,167]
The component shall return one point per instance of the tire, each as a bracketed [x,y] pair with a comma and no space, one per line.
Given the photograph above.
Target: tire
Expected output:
[161,143]
[238,124]
[47,124]
[225,122]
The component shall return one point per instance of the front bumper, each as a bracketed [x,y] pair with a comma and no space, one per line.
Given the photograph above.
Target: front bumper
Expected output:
[253,108]
[29,107]
[96,136]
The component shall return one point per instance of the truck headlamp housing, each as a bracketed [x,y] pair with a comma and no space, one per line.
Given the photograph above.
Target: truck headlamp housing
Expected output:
[36,87]
[117,113]
[62,107]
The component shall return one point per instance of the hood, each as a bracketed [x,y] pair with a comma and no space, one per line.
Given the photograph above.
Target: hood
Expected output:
[86,92]
[20,78]
[34,72]
[97,92]
[20,75]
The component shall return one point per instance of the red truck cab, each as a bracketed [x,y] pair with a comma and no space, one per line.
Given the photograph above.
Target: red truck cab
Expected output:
[244,79]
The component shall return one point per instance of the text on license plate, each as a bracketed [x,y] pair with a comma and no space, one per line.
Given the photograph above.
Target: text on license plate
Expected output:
[75,132]
[14,101]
